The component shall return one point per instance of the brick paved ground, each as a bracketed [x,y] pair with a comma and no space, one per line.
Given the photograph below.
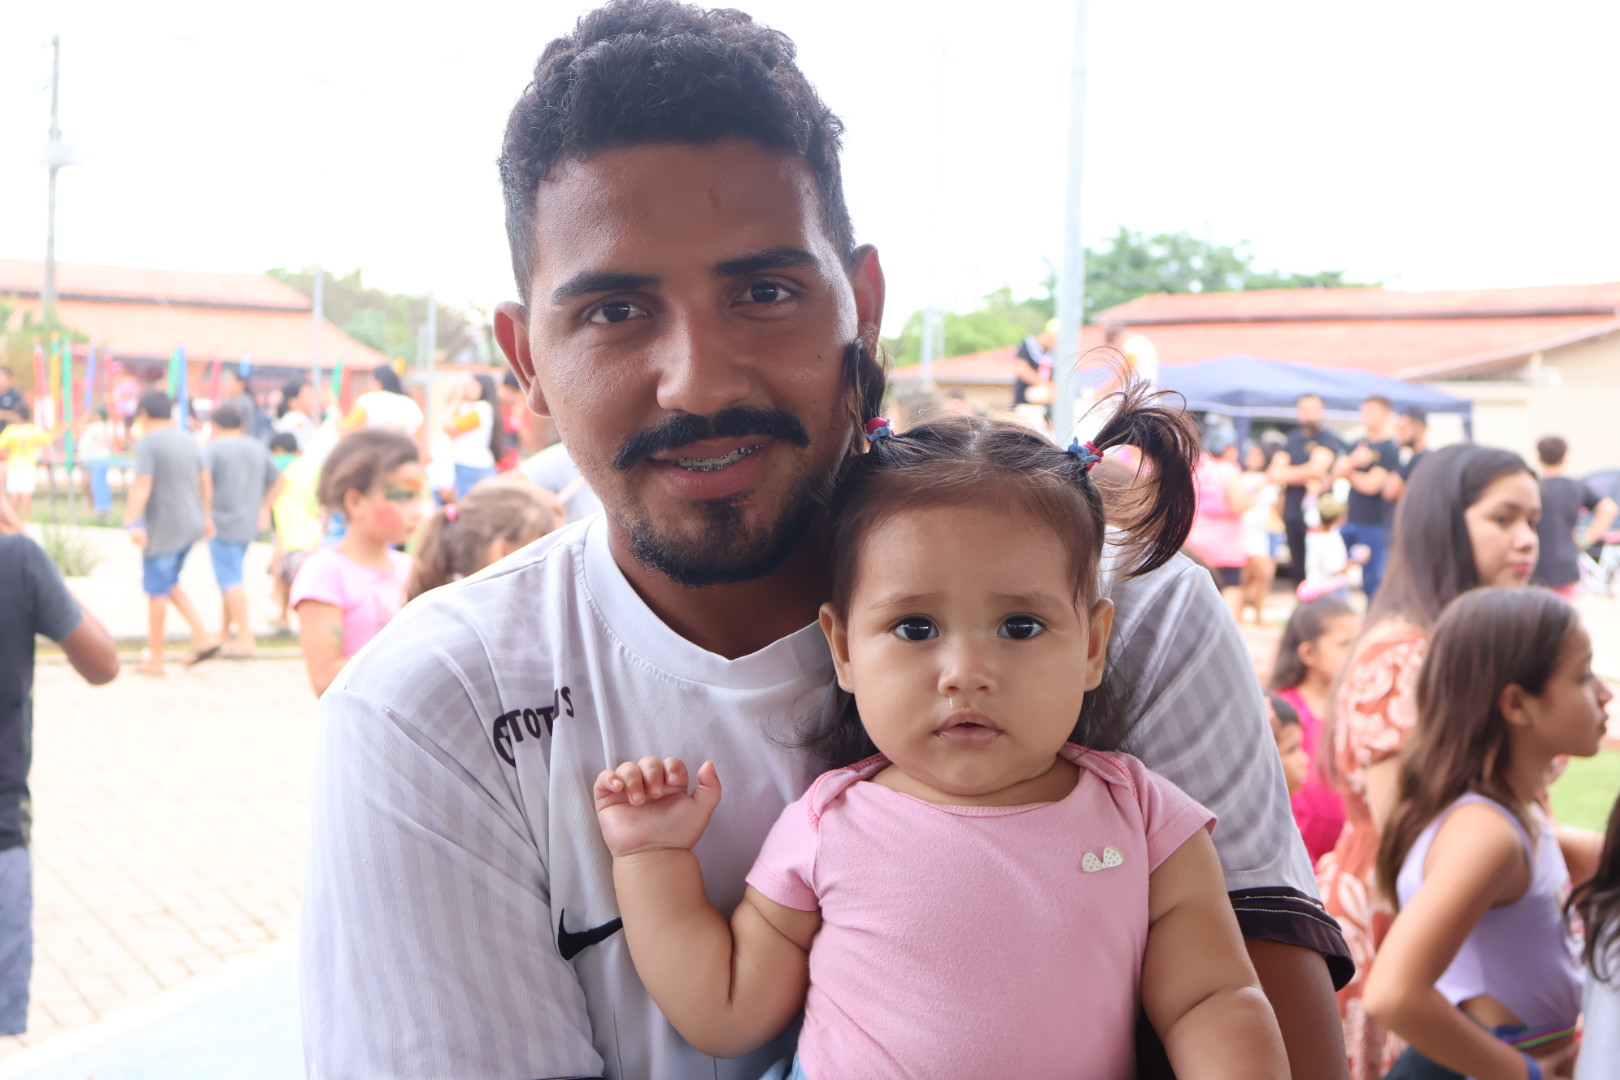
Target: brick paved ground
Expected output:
[170,828]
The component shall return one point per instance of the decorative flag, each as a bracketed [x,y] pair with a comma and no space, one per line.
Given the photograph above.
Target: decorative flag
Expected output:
[67,402]
[337,380]
[42,389]
[89,380]
[182,397]
[55,380]
[213,381]
[173,387]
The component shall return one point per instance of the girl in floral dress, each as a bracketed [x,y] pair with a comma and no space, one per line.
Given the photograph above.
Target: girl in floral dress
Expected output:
[1467,519]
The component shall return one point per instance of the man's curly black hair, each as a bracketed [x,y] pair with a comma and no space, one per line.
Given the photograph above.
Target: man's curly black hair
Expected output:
[645,71]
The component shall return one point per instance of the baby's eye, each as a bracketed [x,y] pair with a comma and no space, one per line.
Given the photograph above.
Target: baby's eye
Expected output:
[616,311]
[1020,627]
[915,628]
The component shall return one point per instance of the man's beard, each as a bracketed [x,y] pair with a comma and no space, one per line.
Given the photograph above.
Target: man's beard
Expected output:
[725,552]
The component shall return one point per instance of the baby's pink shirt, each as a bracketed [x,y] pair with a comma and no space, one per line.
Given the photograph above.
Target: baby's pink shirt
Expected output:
[975,941]
[368,598]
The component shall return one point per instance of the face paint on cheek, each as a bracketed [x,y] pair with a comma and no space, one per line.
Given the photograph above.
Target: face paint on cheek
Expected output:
[388,517]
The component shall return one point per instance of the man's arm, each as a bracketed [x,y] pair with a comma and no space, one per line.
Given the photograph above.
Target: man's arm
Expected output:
[1603,515]
[205,489]
[1187,678]
[92,651]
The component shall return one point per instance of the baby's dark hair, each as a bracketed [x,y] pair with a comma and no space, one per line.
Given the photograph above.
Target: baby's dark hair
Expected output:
[455,541]
[1308,623]
[359,461]
[1006,467]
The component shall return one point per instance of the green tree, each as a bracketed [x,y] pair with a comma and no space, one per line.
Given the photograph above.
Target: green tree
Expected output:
[17,342]
[386,321]
[1135,264]
[997,321]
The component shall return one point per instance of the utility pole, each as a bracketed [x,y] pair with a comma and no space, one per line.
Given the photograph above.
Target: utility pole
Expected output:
[315,334]
[1072,277]
[56,155]
[432,342]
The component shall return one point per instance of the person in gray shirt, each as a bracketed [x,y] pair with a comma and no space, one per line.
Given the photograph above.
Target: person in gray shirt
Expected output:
[167,512]
[243,483]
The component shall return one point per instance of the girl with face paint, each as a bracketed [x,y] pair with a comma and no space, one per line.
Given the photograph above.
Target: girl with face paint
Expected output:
[345,593]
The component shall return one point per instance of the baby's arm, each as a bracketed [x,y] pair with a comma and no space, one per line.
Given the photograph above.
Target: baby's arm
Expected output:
[727,988]
[1198,987]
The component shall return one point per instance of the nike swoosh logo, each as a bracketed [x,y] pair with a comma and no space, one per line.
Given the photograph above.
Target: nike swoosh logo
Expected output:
[571,945]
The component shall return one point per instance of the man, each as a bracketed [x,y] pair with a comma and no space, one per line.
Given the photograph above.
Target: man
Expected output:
[1032,375]
[1368,467]
[234,392]
[37,602]
[701,326]
[166,512]
[1304,464]
[12,405]
[1562,500]
[243,483]
[1412,433]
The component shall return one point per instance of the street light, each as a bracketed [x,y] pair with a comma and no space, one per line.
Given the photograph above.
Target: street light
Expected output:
[57,154]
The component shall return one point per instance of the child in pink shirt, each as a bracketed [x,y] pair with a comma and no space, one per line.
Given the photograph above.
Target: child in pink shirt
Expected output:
[345,593]
[986,887]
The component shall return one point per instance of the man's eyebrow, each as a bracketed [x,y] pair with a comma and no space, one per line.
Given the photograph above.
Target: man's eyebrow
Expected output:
[600,281]
[776,258]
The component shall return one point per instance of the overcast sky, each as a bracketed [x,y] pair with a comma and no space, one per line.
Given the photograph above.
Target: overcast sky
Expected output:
[1425,145]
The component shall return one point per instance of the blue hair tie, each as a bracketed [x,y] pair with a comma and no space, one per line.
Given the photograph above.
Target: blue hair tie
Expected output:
[1087,452]
[878,428]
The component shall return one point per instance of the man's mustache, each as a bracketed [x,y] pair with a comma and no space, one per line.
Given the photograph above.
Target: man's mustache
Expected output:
[684,428]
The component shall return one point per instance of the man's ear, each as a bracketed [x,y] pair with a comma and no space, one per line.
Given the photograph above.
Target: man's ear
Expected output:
[1102,624]
[832,625]
[866,279]
[512,335]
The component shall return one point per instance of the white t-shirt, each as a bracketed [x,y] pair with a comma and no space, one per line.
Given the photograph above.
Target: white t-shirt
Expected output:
[459,914]
[471,447]
[554,469]
[391,412]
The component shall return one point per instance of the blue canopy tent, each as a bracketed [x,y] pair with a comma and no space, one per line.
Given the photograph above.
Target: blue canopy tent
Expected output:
[1248,388]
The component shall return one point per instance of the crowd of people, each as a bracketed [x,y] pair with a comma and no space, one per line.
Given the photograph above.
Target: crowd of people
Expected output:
[1002,793]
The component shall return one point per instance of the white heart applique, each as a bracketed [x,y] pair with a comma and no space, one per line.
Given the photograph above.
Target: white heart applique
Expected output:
[1110,859]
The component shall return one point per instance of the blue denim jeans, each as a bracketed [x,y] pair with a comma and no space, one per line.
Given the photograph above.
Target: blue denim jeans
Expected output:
[1376,537]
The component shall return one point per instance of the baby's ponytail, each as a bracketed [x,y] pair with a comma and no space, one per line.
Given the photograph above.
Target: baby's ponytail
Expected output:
[1156,509]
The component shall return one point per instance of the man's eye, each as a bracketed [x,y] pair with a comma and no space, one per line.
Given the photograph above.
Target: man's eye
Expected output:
[1020,627]
[915,628]
[615,311]
[768,292]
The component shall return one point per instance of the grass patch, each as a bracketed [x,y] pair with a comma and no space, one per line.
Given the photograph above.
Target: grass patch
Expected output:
[1586,792]
[70,549]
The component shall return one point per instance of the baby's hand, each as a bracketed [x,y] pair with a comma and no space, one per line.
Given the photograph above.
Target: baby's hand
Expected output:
[643,805]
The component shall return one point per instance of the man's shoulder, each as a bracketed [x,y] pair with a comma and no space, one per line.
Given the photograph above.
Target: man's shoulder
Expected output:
[513,614]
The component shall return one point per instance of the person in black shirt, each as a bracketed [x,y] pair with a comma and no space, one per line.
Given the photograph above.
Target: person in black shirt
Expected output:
[1032,382]
[36,602]
[1412,434]
[1562,500]
[1306,459]
[1368,467]
[11,402]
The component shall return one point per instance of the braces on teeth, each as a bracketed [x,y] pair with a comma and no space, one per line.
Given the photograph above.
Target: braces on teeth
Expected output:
[711,464]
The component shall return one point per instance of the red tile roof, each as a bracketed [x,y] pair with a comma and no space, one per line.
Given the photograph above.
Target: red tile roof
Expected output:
[1405,334]
[150,313]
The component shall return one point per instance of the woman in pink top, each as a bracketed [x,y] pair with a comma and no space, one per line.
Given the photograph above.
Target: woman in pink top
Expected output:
[1313,650]
[990,889]
[1223,498]
[344,594]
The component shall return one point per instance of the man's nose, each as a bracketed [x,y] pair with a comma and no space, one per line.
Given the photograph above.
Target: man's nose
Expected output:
[700,369]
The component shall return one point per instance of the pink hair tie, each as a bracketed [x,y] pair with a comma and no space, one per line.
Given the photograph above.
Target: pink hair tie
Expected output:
[451,513]
[1087,452]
